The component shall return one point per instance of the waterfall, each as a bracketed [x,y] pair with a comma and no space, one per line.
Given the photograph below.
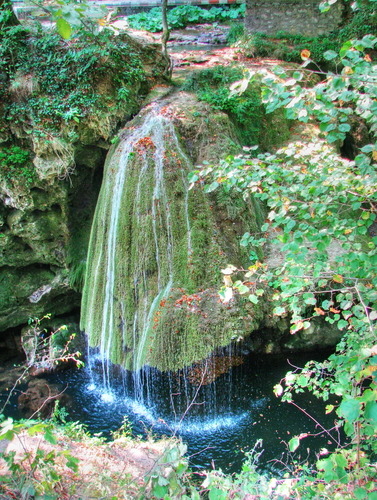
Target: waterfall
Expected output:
[135,243]
[150,298]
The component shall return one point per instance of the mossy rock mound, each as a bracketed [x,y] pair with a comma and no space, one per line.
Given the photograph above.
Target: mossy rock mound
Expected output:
[157,247]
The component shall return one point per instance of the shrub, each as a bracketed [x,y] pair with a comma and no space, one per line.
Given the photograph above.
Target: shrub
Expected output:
[212,85]
[183,15]
[236,32]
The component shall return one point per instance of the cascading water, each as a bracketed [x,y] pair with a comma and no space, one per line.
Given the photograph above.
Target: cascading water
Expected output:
[134,214]
[155,252]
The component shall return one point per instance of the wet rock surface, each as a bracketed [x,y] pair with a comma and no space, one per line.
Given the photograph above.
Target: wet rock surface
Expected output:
[205,34]
[39,398]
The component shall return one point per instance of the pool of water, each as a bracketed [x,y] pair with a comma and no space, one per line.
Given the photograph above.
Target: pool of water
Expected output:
[219,421]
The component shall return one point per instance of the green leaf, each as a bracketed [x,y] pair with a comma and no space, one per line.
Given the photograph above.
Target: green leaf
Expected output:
[368,148]
[7,429]
[72,463]
[27,490]
[253,298]
[278,311]
[162,481]
[342,324]
[360,493]
[373,315]
[368,395]
[302,381]
[193,177]
[49,436]
[294,443]
[214,185]
[310,301]
[341,460]
[36,428]
[326,304]
[344,127]
[245,240]
[64,28]
[160,491]
[242,289]
[290,225]
[329,55]
[349,409]
[371,411]
[334,136]
[217,494]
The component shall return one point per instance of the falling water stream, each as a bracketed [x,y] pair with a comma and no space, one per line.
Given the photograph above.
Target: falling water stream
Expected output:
[134,244]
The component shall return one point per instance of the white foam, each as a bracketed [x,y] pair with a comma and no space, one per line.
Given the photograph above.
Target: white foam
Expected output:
[142,411]
[107,397]
[210,425]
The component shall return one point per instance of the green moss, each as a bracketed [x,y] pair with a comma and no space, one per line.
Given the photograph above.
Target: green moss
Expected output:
[246,111]
[16,166]
[66,87]
[190,327]
[161,243]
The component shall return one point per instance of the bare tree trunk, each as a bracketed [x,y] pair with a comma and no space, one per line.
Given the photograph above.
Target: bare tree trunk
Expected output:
[7,15]
[164,38]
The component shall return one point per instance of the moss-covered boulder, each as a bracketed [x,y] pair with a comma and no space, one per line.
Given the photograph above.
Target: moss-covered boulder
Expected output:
[157,248]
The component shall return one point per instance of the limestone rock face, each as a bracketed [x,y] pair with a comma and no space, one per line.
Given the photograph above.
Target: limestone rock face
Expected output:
[32,291]
[46,211]
[38,226]
[320,335]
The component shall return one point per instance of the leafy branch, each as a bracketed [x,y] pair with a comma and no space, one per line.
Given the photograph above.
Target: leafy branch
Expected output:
[320,229]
